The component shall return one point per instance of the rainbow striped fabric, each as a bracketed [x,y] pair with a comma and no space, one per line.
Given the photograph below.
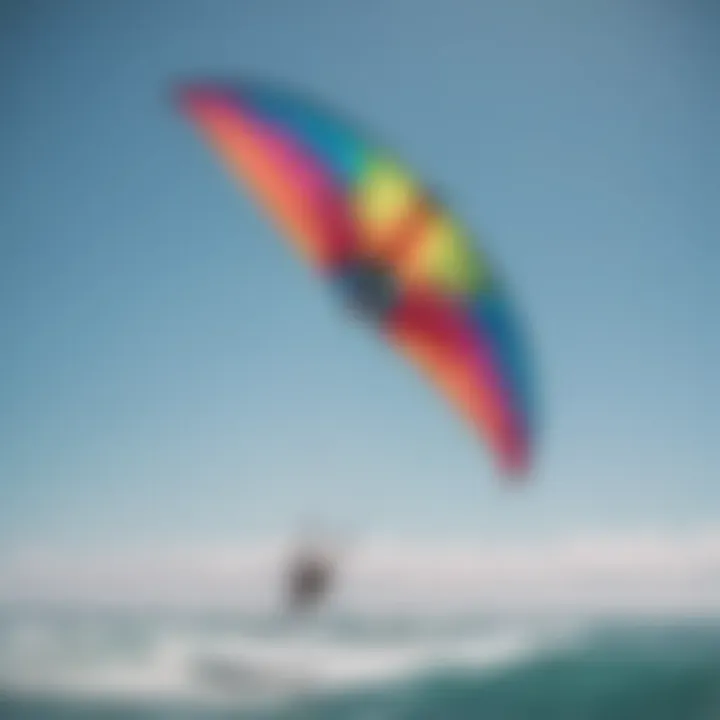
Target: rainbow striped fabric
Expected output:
[393,251]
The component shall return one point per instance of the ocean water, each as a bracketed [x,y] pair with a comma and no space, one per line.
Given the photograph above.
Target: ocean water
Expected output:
[65,664]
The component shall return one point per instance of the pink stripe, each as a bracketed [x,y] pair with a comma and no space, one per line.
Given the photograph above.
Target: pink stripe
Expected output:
[306,174]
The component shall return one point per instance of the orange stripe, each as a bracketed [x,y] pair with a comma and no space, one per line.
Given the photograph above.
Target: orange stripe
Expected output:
[403,237]
[245,155]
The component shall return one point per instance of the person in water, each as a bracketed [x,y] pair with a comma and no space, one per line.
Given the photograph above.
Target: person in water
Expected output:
[310,579]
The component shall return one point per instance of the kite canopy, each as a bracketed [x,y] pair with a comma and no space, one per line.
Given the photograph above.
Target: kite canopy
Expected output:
[395,253]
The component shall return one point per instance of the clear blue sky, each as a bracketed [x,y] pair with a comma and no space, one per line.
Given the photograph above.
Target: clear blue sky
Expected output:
[170,372]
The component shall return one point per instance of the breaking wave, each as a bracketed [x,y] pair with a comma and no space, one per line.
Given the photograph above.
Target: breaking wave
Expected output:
[137,661]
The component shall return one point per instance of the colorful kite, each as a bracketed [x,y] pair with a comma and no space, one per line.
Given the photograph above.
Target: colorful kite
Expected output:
[393,251]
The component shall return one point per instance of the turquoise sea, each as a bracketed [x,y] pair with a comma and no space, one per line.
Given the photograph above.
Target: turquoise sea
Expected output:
[124,665]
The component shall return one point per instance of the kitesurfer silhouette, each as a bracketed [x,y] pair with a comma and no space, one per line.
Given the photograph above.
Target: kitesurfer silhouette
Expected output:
[310,577]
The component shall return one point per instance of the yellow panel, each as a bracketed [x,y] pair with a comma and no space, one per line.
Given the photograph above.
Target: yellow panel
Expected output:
[383,198]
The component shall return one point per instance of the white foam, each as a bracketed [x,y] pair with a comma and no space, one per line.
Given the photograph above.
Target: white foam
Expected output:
[174,667]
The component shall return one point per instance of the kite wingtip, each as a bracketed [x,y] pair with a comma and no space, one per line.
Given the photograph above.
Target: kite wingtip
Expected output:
[189,86]
[184,92]
[516,466]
